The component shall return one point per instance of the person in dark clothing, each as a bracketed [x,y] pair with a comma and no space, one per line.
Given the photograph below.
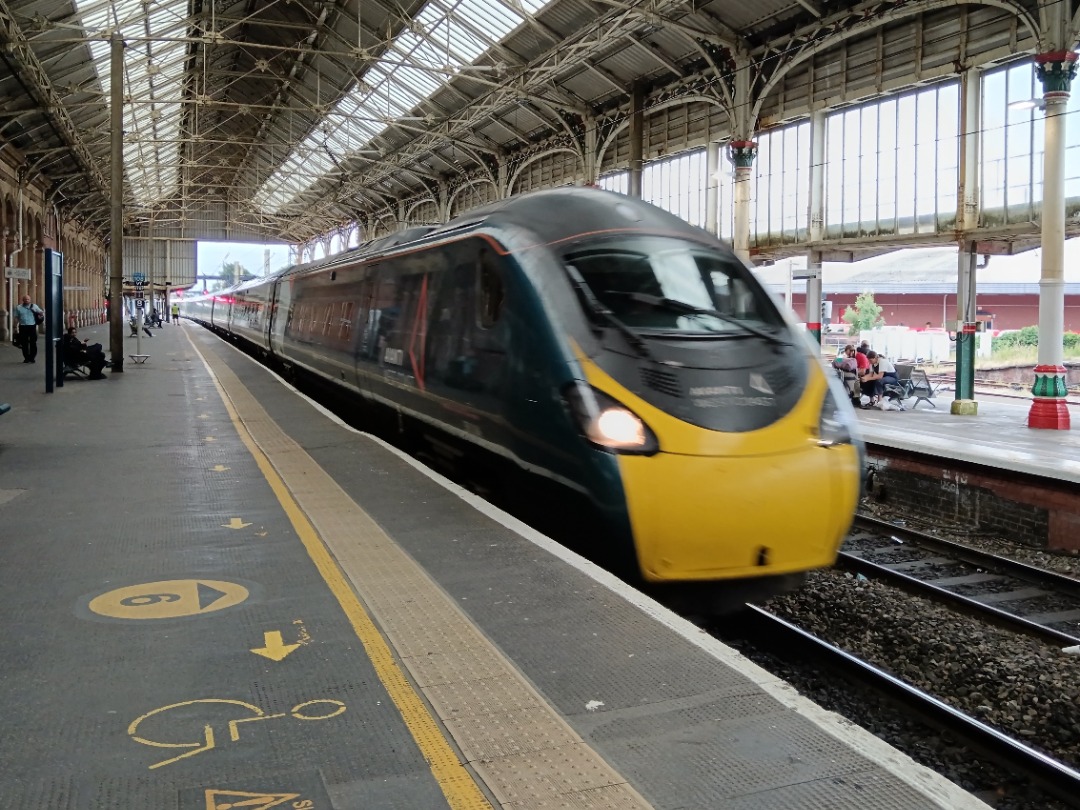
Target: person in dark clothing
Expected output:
[79,352]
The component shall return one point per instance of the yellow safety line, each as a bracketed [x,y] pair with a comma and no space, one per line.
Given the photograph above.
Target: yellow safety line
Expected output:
[455,781]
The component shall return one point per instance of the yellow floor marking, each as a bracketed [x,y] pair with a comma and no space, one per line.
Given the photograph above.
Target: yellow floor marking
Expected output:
[301,711]
[274,646]
[252,801]
[455,781]
[168,599]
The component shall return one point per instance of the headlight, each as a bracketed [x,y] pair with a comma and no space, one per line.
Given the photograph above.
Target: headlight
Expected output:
[837,422]
[608,423]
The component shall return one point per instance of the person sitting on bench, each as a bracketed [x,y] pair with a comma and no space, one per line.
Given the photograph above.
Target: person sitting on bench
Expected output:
[134,324]
[882,374]
[79,353]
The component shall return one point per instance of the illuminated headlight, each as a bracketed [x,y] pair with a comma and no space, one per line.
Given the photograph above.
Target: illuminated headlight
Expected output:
[837,422]
[608,423]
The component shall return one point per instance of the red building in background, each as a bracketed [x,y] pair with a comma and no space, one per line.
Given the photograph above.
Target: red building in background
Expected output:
[915,286]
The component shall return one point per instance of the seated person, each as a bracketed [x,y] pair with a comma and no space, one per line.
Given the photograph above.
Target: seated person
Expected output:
[848,367]
[882,373]
[863,359]
[78,352]
[134,324]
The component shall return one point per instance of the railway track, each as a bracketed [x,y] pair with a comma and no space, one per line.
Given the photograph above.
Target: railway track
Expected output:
[786,641]
[1003,592]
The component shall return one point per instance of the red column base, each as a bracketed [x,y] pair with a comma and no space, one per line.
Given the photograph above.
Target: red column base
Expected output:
[1048,414]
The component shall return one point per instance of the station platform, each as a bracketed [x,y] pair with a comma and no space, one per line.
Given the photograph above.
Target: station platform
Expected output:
[218,596]
[998,436]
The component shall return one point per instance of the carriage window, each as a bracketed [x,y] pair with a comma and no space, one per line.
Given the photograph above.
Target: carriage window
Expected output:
[489,289]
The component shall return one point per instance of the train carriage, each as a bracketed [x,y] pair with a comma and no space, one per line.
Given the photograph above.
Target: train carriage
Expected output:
[605,345]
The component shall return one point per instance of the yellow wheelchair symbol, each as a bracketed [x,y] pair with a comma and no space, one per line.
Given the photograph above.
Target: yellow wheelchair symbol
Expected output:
[230,714]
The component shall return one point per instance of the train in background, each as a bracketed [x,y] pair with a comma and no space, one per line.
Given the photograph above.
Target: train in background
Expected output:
[601,344]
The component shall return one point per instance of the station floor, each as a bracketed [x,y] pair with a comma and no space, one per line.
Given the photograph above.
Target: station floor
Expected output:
[998,436]
[215,595]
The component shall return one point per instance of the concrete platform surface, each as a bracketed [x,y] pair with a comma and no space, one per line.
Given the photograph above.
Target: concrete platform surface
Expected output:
[217,596]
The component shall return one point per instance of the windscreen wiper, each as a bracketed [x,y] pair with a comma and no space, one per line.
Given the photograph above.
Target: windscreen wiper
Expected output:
[674,305]
[592,303]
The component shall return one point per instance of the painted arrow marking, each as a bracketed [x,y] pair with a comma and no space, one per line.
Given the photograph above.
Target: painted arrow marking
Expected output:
[235,523]
[219,468]
[275,648]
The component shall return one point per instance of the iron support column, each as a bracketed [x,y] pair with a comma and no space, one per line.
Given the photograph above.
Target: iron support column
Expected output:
[742,154]
[1048,408]
[814,315]
[637,138]
[589,155]
[964,401]
[816,218]
[967,219]
[712,187]
[116,230]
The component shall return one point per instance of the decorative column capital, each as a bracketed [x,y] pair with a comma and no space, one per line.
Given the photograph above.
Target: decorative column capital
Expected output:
[1056,71]
[742,153]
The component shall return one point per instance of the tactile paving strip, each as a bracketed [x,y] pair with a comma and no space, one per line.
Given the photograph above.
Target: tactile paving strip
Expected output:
[527,755]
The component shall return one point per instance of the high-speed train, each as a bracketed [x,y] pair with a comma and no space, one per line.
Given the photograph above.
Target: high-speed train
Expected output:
[603,344]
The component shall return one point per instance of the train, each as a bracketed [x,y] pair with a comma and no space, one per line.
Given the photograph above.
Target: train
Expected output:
[624,357]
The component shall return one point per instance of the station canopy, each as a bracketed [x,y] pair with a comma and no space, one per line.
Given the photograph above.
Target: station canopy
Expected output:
[288,117]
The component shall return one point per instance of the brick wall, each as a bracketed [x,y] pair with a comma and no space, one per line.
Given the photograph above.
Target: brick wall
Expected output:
[1025,509]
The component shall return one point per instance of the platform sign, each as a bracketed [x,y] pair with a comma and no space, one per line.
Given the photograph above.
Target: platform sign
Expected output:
[140,303]
[17,272]
[138,278]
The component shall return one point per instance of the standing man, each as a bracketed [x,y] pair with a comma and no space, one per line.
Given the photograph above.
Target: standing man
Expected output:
[28,316]
[176,313]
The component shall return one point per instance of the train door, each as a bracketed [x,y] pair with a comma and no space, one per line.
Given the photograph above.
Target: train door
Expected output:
[466,354]
[280,309]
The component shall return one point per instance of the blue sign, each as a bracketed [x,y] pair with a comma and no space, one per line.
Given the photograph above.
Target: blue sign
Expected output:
[138,278]
[139,303]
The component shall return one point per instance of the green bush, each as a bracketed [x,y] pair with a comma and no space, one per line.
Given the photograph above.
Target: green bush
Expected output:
[1028,336]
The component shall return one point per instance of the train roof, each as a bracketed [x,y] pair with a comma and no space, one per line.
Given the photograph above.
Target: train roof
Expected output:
[552,214]
[559,213]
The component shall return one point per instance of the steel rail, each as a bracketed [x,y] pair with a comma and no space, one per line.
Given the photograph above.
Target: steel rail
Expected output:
[785,640]
[965,604]
[1040,576]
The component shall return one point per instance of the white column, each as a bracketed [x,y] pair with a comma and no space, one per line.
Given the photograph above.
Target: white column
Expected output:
[712,188]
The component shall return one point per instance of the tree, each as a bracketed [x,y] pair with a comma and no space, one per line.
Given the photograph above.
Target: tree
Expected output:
[864,315]
[231,273]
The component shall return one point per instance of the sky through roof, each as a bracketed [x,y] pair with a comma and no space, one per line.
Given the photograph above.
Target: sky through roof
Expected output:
[444,39]
[153,78]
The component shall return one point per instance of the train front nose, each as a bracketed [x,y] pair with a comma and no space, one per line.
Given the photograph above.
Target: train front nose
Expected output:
[773,500]
[710,517]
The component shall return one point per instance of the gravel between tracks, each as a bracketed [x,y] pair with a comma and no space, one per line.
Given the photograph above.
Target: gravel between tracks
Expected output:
[1027,689]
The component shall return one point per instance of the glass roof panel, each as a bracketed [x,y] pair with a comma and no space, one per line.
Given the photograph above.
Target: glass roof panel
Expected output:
[445,38]
[153,72]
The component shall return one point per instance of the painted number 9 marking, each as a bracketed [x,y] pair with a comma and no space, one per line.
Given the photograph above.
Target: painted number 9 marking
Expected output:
[168,599]
[149,599]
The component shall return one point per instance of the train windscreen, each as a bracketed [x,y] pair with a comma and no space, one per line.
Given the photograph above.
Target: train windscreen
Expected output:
[669,285]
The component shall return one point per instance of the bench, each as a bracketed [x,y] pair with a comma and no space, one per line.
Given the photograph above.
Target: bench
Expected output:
[76,368]
[913,382]
[72,366]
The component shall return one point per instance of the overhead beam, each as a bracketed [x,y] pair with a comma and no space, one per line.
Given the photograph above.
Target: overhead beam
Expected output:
[33,76]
